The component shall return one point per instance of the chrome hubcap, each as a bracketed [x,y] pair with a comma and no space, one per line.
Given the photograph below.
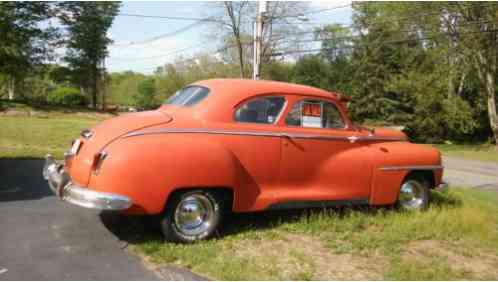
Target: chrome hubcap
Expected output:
[194,215]
[411,195]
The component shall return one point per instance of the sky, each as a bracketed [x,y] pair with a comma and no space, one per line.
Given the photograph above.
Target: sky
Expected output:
[137,48]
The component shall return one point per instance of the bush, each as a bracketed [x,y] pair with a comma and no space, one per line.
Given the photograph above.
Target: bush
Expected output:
[66,96]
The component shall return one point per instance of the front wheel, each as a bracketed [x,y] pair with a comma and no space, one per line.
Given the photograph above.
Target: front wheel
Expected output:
[191,216]
[413,194]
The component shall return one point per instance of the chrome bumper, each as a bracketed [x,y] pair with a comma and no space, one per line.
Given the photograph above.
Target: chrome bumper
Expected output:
[60,182]
[442,187]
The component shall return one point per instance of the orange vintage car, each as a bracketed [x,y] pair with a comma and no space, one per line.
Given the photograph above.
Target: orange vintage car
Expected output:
[243,146]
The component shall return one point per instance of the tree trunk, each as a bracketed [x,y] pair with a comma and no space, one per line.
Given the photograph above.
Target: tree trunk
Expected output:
[486,71]
[491,99]
[94,89]
[11,88]
[241,58]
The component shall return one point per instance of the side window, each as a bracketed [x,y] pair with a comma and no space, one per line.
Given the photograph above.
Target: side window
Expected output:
[315,113]
[260,110]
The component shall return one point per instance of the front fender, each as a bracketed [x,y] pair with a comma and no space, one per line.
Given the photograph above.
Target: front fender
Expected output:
[393,161]
[148,168]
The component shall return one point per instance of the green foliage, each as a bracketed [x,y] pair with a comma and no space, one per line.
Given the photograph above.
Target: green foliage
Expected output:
[145,97]
[66,96]
[24,44]
[311,70]
[123,86]
[88,23]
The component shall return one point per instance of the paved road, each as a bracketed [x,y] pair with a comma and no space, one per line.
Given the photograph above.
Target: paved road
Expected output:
[474,174]
[42,238]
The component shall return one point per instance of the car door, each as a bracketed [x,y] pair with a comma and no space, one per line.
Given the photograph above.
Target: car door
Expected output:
[319,159]
[253,138]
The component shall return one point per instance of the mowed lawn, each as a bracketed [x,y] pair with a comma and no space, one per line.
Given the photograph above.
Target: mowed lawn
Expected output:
[456,238]
[34,136]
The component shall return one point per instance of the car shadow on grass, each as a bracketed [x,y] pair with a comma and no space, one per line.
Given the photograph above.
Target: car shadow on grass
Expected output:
[143,229]
[22,180]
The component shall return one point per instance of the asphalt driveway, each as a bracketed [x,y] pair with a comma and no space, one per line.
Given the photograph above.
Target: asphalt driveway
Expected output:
[42,238]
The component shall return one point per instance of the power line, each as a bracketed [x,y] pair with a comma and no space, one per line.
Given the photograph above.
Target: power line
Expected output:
[208,19]
[169,34]
[162,55]
[376,45]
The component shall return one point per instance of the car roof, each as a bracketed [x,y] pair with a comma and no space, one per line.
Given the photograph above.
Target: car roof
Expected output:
[235,90]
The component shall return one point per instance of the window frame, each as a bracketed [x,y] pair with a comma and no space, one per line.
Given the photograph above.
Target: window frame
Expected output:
[195,104]
[245,101]
[300,100]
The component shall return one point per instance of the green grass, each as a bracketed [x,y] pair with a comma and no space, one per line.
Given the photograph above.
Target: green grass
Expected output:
[483,152]
[456,238]
[46,132]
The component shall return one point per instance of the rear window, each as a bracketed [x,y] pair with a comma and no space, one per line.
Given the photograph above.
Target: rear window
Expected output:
[188,96]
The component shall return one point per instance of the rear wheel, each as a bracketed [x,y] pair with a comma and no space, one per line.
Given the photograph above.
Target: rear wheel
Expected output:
[191,216]
[413,194]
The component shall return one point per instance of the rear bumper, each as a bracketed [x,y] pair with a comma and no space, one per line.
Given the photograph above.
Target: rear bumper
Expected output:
[60,183]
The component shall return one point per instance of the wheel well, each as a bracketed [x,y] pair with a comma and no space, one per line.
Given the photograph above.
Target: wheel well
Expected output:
[427,175]
[223,193]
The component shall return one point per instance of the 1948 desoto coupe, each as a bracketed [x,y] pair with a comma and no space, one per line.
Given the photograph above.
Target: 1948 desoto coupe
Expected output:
[242,146]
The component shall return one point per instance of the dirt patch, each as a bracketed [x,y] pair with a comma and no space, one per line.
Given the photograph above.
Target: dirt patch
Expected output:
[305,257]
[484,265]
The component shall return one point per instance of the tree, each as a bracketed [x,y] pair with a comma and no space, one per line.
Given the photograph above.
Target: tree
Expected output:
[481,48]
[145,98]
[312,70]
[24,44]
[235,11]
[281,26]
[88,23]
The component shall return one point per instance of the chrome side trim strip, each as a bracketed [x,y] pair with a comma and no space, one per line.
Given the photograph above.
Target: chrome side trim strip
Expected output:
[262,133]
[412,167]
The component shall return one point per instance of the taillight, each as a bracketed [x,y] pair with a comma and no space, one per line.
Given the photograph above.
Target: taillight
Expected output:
[98,159]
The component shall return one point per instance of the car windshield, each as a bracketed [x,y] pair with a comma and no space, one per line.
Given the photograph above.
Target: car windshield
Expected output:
[188,96]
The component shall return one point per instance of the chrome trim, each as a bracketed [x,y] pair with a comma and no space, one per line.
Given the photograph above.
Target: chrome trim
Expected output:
[411,195]
[412,167]
[92,199]
[261,133]
[86,133]
[194,215]
[60,183]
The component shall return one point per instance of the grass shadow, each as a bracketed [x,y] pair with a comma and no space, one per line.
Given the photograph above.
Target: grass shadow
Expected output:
[141,229]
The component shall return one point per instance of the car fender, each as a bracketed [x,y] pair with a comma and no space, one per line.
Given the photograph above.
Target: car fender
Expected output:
[393,161]
[148,168]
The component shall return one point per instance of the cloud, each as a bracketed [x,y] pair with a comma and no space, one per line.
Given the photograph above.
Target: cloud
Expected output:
[329,4]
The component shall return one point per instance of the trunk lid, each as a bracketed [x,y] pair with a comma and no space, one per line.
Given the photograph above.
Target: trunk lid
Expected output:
[106,132]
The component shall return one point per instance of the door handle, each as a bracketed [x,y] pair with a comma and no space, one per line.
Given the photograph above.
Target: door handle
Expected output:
[353,139]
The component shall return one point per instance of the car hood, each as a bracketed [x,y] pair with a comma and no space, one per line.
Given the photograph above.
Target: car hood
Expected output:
[106,132]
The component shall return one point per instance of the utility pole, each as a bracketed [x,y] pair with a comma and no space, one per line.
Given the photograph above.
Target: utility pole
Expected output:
[258,38]
[103,86]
